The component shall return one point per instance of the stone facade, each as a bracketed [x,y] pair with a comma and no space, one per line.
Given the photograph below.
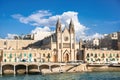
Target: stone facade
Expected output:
[63,43]
[27,56]
[14,44]
[96,42]
[61,46]
[102,56]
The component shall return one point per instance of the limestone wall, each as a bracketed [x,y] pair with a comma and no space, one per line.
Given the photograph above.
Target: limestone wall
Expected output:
[15,44]
[104,68]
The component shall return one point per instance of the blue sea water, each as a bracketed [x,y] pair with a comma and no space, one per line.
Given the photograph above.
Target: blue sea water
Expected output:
[66,76]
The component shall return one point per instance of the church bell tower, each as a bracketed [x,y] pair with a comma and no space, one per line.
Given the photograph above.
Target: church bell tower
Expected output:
[59,39]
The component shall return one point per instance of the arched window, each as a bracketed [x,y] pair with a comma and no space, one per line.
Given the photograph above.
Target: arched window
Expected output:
[4,54]
[20,55]
[30,55]
[10,56]
[91,59]
[117,56]
[110,55]
[43,55]
[106,60]
[24,54]
[87,59]
[103,56]
[95,55]
[91,54]
[88,55]
[4,60]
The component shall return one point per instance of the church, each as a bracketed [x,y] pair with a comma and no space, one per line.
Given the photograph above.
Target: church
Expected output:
[60,46]
[63,43]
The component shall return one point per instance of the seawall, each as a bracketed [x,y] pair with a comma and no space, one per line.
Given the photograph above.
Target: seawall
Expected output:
[102,68]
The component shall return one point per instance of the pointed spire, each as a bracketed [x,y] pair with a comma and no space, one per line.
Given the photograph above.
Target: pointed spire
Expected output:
[71,26]
[58,22]
[71,22]
[58,26]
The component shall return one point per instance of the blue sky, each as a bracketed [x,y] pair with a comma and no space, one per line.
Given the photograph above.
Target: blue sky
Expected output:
[95,16]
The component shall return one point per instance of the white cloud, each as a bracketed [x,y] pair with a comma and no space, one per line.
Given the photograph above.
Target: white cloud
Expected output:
[40,33]
[44,20]
[96,35]
[11,36]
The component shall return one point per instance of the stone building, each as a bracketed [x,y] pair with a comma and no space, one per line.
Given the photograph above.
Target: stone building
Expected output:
[61,46]
[27,55]
[63,42]
[14,44]
[102,56]
[111,41]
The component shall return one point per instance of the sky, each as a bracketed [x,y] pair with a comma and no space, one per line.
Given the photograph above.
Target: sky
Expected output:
[91,18]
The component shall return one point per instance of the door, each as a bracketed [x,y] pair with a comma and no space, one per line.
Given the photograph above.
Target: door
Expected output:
[66,58]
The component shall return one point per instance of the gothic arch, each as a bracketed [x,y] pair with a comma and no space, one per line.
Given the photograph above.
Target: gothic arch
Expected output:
[66,56]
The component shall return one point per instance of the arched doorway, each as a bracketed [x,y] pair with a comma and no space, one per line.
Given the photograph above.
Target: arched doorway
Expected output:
[78,57]
[55,58]
[66,58]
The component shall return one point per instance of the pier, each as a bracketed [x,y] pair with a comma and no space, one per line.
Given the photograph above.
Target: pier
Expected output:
[35,66]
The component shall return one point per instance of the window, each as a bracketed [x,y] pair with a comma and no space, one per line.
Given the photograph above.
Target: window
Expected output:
[48,55]
[4,60]
[117,55]
[66,38]
[4,54]
[95,55]
[59,29]
[10,56]
[59,45]
[43,55]
[87,59]
[91,59]
[30,55]
[5,43]
[103,56]
[21,55]
[87,54]
[25,54]
[107,60]
[110,55]
[91,54]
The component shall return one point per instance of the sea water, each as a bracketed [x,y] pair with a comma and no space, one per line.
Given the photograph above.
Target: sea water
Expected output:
[66,76]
